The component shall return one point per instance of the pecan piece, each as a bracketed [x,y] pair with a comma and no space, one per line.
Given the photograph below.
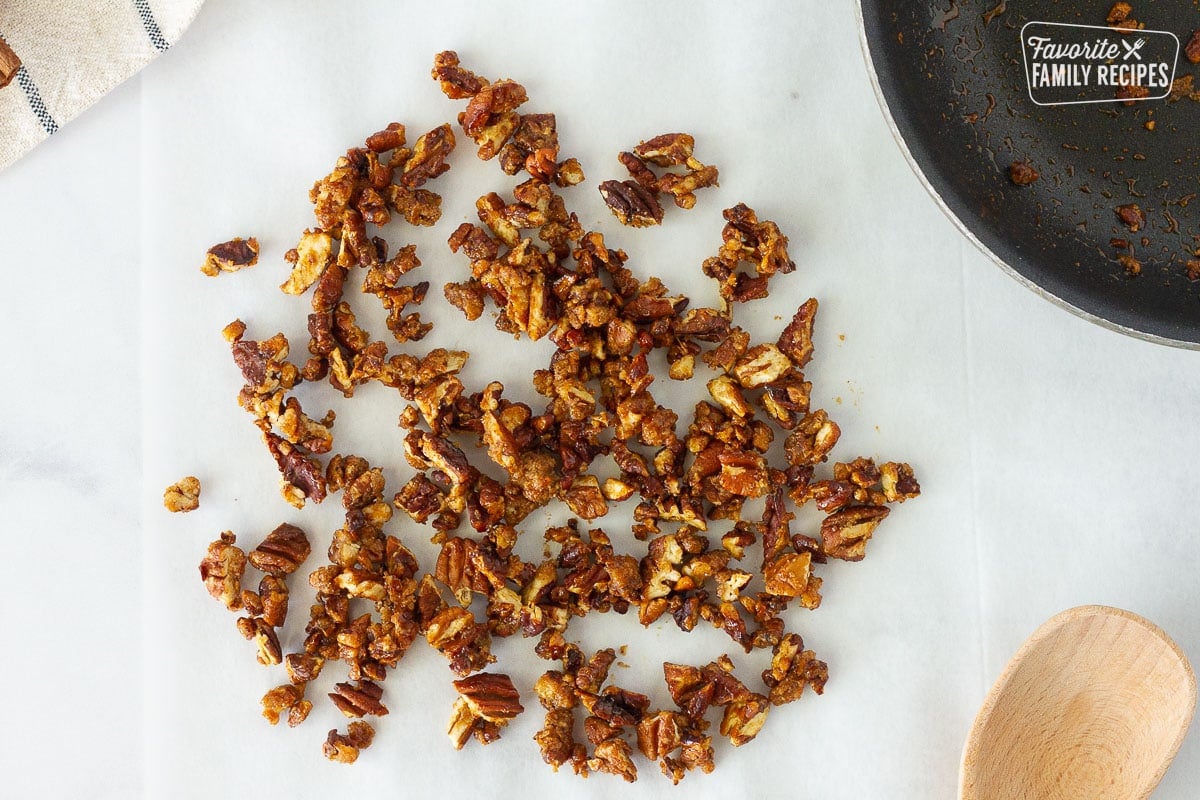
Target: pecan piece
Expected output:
[289,698]
[359,701]
[631,203]
[182,496]
[845,533]
[282,551]
[310,259]
[1022,173]
[428,159]
[221,570]
[1131,216]
[231,256]
[1191,50]
[344,748]
[793,668]
[487,702]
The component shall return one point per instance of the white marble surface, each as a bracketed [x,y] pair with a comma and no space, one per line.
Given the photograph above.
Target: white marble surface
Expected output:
[1056,457]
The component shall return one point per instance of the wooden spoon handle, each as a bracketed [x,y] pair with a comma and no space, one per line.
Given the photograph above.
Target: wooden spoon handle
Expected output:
[9,64]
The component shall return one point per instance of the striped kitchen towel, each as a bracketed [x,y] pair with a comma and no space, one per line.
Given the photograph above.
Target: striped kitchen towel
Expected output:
[72,53]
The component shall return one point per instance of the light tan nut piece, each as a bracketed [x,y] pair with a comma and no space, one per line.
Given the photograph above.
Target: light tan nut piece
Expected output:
[221,570]
[289,698]
[182,496]
[344,748]
[312,256]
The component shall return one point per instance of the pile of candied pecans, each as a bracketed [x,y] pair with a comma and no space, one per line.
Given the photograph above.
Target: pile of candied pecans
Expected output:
[546,277]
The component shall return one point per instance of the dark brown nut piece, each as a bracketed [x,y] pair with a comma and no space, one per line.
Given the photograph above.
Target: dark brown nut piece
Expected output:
[1022,173]
[221,570]
[1131,216]
[182,496]
[303,478]
[264,637]
[793,668]
[428,159]
[387,139]
[231,256]
[359,701]
[312,256]
[682,188]
[303,667]
[273,597]
[631,203]
[796,340]
[1191,50]
[487,702]
[344,748]
[457,83]
[289,698]
[845,533]
[282,551]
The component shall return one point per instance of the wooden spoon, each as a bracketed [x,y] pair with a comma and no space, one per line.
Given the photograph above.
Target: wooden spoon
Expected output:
[1094,705]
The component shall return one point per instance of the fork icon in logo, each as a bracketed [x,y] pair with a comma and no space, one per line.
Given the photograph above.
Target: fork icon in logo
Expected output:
[1131,49]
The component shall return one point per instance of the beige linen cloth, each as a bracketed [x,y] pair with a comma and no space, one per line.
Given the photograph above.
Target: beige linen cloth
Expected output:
[72,53]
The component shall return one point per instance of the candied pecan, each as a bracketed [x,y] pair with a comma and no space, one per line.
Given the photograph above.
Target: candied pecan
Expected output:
[387,139]
[303,667]
[744,718]
[898,482]
[631,203]
[428,159]
[614,756]
[792,668]
[812,439]
[289,698]
[556,739]
[1119,13]
[1191,50]
[457,83]
[358,701]
[231,256]
[682,187]
[312,256]
[1131,216]
[668,149]
[273,598]
[845,533]
[1132,266]
[787,575]
[1022,173]
[264,637]
[1131,93]
[761,364]
[465,642]
[487,702]
[282,551]
[302,475]
[222,569]
[345,748]
[183,495]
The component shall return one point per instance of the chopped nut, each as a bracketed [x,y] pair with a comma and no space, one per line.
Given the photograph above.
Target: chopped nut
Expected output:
[221,570]
[1131,216]
[313,255]
[182,496]
[845,533]
[231,256]
[282,551]
[289,698]
[1022,173]
[1191,50]
[359,701]
[345,748]
[631,203]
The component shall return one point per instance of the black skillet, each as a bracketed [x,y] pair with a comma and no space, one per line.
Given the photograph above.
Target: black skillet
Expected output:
[951,76]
